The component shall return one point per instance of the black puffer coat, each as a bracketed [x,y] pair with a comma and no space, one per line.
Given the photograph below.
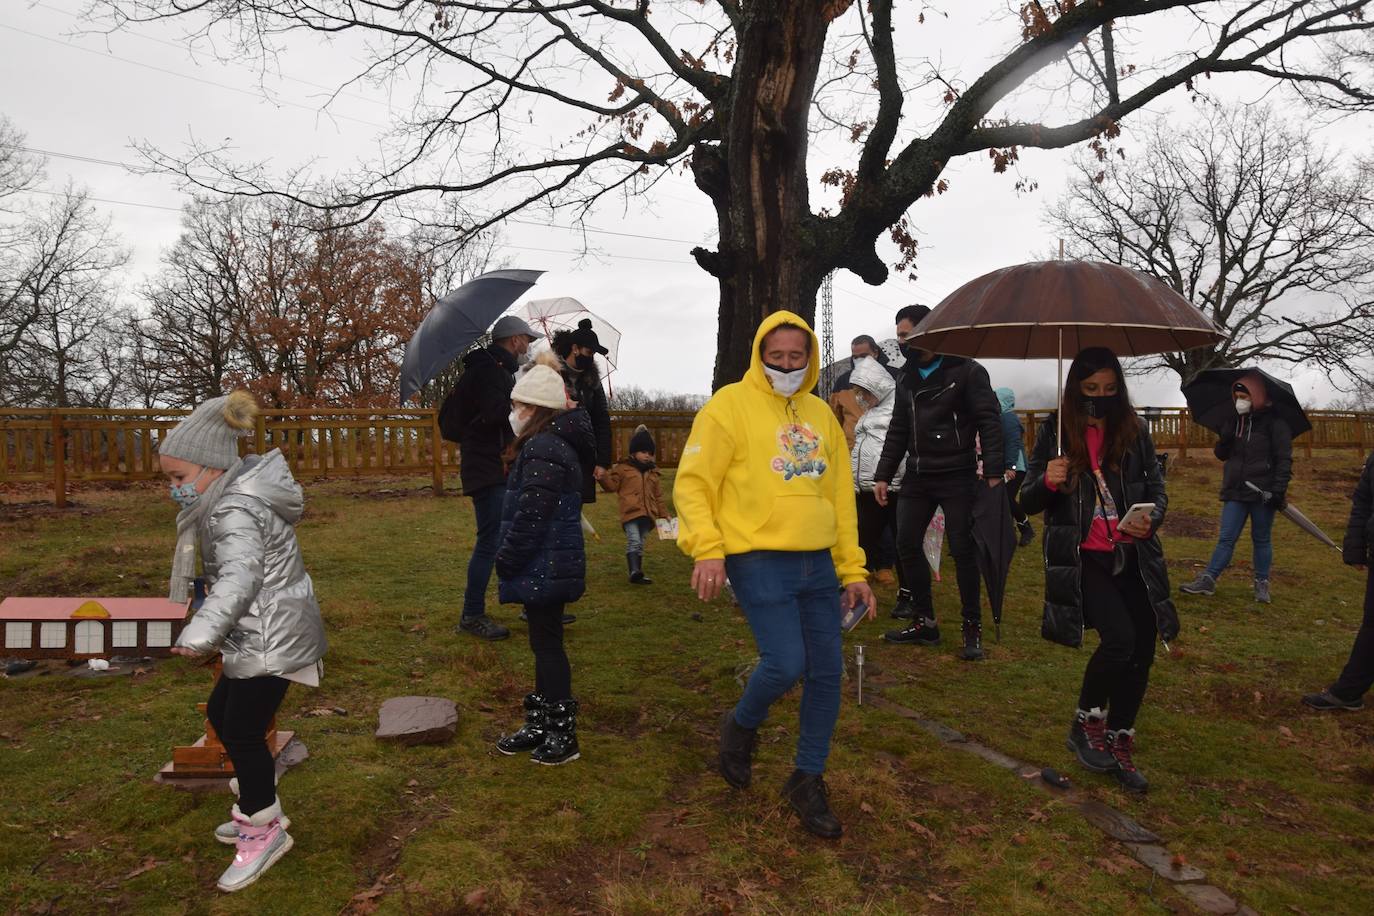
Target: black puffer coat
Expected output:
[1069,515]
[476,416]
[935,420]
[1258,449]
[543,558]
[585,388]
[1358,549]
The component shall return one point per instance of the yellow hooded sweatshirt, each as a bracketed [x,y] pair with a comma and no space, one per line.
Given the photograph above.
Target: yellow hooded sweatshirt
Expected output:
[765,472]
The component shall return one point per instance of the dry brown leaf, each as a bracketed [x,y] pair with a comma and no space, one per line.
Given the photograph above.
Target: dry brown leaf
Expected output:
[922,829]
[148,865]
[476,899]
[1232,855]
[1020,839]
[866,808]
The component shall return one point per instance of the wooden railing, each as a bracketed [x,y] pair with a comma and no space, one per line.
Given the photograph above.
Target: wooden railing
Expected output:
[121,445]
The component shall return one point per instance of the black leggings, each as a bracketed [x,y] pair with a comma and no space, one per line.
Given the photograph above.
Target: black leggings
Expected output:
[552,673]
[874,523]
[1118,607]
[240,710]
[1358,675]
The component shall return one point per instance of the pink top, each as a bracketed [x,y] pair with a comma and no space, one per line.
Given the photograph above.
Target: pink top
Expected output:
[66,608]
[1103,528]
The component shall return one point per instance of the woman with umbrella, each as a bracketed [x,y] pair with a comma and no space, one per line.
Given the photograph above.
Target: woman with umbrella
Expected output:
[1257,446]
[578,350]
[1104,566]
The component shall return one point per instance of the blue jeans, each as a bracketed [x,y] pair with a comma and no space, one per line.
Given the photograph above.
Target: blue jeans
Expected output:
[792,602]
[1233,516]
[635,533]
[486,505]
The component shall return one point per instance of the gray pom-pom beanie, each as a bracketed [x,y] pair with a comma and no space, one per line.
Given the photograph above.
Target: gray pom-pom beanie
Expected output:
[210,436]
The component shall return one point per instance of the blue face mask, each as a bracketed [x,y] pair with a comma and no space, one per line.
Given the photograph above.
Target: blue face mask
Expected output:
[184,494]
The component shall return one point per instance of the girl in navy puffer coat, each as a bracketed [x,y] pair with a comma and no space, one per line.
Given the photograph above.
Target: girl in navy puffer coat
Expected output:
[542,560]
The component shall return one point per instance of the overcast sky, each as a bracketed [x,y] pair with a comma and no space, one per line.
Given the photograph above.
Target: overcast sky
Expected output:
[83,97]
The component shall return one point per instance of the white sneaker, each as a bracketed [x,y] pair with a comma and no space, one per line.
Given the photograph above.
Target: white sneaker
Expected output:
[261,842]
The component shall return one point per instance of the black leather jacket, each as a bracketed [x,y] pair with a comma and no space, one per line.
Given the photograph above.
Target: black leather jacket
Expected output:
[935,420]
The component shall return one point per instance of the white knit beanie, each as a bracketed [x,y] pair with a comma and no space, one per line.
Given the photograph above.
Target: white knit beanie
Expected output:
[210,436]
[541,386]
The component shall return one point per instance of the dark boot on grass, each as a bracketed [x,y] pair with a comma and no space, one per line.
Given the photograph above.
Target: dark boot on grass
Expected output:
[1088,741]
[1027,531]
[560,735]
[923,632]
[636,563]
[483,627]
[531,734]
[1326,701]
[1204,584]
[973,641]
[1122,743]
[904,609]
[808,796]
[736,761]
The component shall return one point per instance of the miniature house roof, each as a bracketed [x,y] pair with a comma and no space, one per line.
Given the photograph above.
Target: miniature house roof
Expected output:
[91,609]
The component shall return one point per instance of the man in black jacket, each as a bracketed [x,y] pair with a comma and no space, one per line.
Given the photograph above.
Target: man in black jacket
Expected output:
[477,416]
[943,403]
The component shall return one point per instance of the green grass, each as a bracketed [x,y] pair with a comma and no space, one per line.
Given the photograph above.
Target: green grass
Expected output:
[1273,802]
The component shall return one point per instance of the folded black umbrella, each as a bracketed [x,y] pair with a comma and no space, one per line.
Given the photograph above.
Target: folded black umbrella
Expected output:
[1211,404]
[995,536]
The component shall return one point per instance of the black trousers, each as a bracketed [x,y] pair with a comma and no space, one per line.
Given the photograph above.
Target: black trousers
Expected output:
[916,506]
[552,673]
[1013,489]
[1358,675]
[240,710]
[874,523]
[1119,608]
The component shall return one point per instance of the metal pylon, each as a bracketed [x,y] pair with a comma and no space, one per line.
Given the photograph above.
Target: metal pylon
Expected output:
[827,335]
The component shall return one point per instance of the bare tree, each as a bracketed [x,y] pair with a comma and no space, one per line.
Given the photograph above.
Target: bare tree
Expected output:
[19,172]
[633,397]
[1249,220]
[732,90]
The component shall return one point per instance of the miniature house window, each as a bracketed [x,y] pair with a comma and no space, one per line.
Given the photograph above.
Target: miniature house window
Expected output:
[159,634]
[52,636]
[90,638]
[19,635]
[124,634]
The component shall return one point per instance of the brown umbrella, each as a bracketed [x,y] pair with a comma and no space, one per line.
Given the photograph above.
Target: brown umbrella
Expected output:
[1042,309]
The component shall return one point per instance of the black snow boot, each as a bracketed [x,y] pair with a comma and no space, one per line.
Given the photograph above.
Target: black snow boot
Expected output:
[973,641]
[531,734]
[736,761]
[1121,743]
[808,796]
[636,562]
[560,736]
[904,609]
[1088,741]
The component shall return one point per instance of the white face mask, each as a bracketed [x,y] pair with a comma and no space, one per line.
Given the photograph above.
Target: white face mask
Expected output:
[785,382]
[1242,406]
[518,420]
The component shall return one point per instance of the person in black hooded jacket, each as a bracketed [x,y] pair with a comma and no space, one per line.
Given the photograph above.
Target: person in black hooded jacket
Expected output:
[1099,572]
[1357,551]
[578,349]
[1257,450]
[943,403]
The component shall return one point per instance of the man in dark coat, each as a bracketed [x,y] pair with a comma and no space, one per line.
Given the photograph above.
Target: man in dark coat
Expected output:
[477,417]
[578,350]
[943,403]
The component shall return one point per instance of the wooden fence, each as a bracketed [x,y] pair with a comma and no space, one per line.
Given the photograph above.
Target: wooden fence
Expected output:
[121,445]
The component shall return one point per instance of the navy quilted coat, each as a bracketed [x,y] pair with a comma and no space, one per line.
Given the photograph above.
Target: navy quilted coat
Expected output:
[542,559]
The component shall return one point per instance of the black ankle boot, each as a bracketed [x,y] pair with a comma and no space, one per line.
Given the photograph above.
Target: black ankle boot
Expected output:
[973,641]
[808,796]
[560,736]
[736,762]
[636,563]
[1121,743]
[531,734]
[904,609]
[923,632]
[1088,741]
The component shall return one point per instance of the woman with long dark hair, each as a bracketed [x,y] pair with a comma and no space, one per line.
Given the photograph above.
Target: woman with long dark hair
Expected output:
[1103,570]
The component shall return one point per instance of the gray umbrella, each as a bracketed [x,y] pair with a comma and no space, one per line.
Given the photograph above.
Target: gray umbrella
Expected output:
[456,321]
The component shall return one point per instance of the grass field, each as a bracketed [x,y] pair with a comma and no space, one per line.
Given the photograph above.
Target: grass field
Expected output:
[1272,801]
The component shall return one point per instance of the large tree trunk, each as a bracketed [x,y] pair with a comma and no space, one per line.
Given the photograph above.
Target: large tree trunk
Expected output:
[757,176]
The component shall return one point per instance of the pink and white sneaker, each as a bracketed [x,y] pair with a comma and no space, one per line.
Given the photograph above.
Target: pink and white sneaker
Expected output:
[228,832]
[262,840]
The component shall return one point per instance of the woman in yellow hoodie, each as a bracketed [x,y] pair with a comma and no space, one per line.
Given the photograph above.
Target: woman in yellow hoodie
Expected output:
[765,495]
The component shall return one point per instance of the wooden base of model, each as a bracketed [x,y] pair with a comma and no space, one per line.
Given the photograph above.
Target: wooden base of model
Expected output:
[207,758]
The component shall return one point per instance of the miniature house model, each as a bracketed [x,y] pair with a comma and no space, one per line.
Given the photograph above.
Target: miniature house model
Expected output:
[89,627]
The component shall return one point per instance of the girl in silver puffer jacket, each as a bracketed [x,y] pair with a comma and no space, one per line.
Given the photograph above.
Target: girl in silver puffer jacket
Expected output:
[259,612]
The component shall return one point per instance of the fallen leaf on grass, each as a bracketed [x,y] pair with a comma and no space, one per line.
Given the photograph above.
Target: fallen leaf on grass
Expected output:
[476,899]
[931,895]
[1110,867]
[1020,839]
[1232,855]
[413,783]
[866,808]
[922,829]
[148,865]
[1037,815]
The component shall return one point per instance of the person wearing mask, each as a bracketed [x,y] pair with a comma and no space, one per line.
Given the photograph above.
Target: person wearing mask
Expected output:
[476,416]
[1014,449]
[764,495]
[1258,450]
[1104,565]
[877,393]
[578,349]
[944,406]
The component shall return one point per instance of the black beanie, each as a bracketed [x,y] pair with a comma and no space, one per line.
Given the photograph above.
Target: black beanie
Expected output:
[642,441]
[584,336]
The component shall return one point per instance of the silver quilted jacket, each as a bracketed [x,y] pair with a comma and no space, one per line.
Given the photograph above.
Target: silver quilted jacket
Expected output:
[871,430]
[260,611]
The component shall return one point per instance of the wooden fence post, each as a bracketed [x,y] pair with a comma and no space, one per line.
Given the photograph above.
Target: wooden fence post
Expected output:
[437,453]
[1183,430]
[59,461]
[260,436]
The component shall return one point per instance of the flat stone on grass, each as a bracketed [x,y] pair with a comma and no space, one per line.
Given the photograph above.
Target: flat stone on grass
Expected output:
[1159,858]
[1115,824]
[1207,898]
[417,720]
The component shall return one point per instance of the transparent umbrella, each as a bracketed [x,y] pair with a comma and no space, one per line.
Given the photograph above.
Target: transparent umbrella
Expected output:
[563,313]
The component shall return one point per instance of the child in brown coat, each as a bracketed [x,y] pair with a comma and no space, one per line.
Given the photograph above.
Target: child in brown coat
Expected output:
[636,481]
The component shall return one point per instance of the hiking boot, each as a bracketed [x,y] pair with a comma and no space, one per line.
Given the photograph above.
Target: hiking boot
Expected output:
[531,734]
[973,641]
[1326,701]
[1088,741]
[1121,742]
[904,609]
[1027,533]
[1262,591]
[807,794]
[636,563]
[261,842]
[736,761]
[483,627]
[228,832]
[1204,584]
[560,735]
[923,632]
